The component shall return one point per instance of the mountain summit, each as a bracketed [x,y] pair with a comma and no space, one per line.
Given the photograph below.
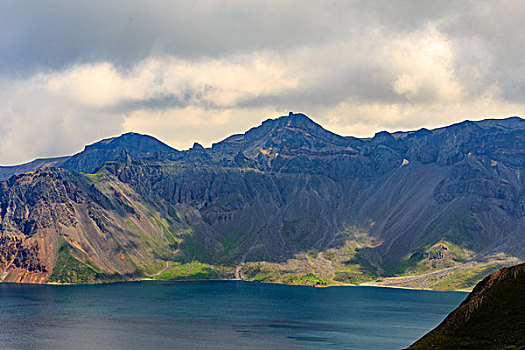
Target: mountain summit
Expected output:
[94,155]
[137,145]
[294,131]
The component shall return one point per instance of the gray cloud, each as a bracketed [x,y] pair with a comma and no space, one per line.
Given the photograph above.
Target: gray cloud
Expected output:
[56,34]
[160,102]
[59,33]
[73,72]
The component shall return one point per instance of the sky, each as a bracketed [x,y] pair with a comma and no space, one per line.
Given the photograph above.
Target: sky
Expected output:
[74,72]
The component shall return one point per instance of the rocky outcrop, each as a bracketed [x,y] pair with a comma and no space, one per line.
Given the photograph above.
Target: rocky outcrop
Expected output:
[20,260]
[7,171]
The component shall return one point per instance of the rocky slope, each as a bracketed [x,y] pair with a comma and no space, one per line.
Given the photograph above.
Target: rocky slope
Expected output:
[97,225]
[287,201]
[7,171]
[491,317]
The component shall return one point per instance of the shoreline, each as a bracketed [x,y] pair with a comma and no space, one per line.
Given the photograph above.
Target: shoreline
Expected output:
[364,284]
[371,284]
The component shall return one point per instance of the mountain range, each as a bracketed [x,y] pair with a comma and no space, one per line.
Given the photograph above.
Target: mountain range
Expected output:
[287,201]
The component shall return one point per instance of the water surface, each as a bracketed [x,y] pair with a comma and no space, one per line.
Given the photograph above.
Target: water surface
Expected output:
[216,315]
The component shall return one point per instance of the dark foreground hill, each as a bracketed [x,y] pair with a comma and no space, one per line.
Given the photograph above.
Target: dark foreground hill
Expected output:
[492,316]
[287,201]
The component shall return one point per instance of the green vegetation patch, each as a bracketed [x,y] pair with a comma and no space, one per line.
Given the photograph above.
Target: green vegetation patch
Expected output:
[309,279]
[361,264]
[234,244]
[353,274]
[194,270]
[160,249]
[165,230]
[440,255]
[258,272]
[457,224]
[313,254]
[173,214]
[330,255]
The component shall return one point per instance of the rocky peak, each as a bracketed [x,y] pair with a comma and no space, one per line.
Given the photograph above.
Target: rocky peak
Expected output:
[294,131]
[197,147]
[133,142]
[136,145]
[297,121]
[383,137]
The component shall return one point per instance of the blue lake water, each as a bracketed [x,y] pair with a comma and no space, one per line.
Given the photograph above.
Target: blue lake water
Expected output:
[216,315]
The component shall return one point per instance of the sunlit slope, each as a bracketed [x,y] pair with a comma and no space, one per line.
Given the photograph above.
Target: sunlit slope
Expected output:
[492,316]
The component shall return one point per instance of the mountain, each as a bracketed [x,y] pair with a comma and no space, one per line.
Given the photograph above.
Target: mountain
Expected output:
[287,133]
[491,317]
[287,201]
[137,145]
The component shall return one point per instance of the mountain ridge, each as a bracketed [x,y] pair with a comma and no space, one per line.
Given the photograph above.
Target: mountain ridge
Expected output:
[7,171]
[290,201]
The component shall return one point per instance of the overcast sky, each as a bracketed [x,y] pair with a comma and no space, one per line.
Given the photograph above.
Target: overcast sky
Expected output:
[73,72]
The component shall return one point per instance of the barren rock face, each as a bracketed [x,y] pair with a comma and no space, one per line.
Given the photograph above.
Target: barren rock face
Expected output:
[132,206]
[34,207]
[20,260]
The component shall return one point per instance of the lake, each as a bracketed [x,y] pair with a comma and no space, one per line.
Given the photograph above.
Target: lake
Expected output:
[216,315]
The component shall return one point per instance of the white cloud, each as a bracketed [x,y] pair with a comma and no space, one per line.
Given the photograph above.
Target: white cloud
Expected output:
[217,82]
[36,123]
[181,127]
[56,113]
[424,64]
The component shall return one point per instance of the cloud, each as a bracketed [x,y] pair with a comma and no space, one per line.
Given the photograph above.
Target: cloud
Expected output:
[214,82]
[37,123]
[73,73]
[58,112]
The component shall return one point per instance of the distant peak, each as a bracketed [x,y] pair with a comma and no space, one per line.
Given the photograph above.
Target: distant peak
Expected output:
[197,146]
[132,139]
[383,137]
[297,120]
[292,119]
[134,135]
[298,115]
[292,128]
